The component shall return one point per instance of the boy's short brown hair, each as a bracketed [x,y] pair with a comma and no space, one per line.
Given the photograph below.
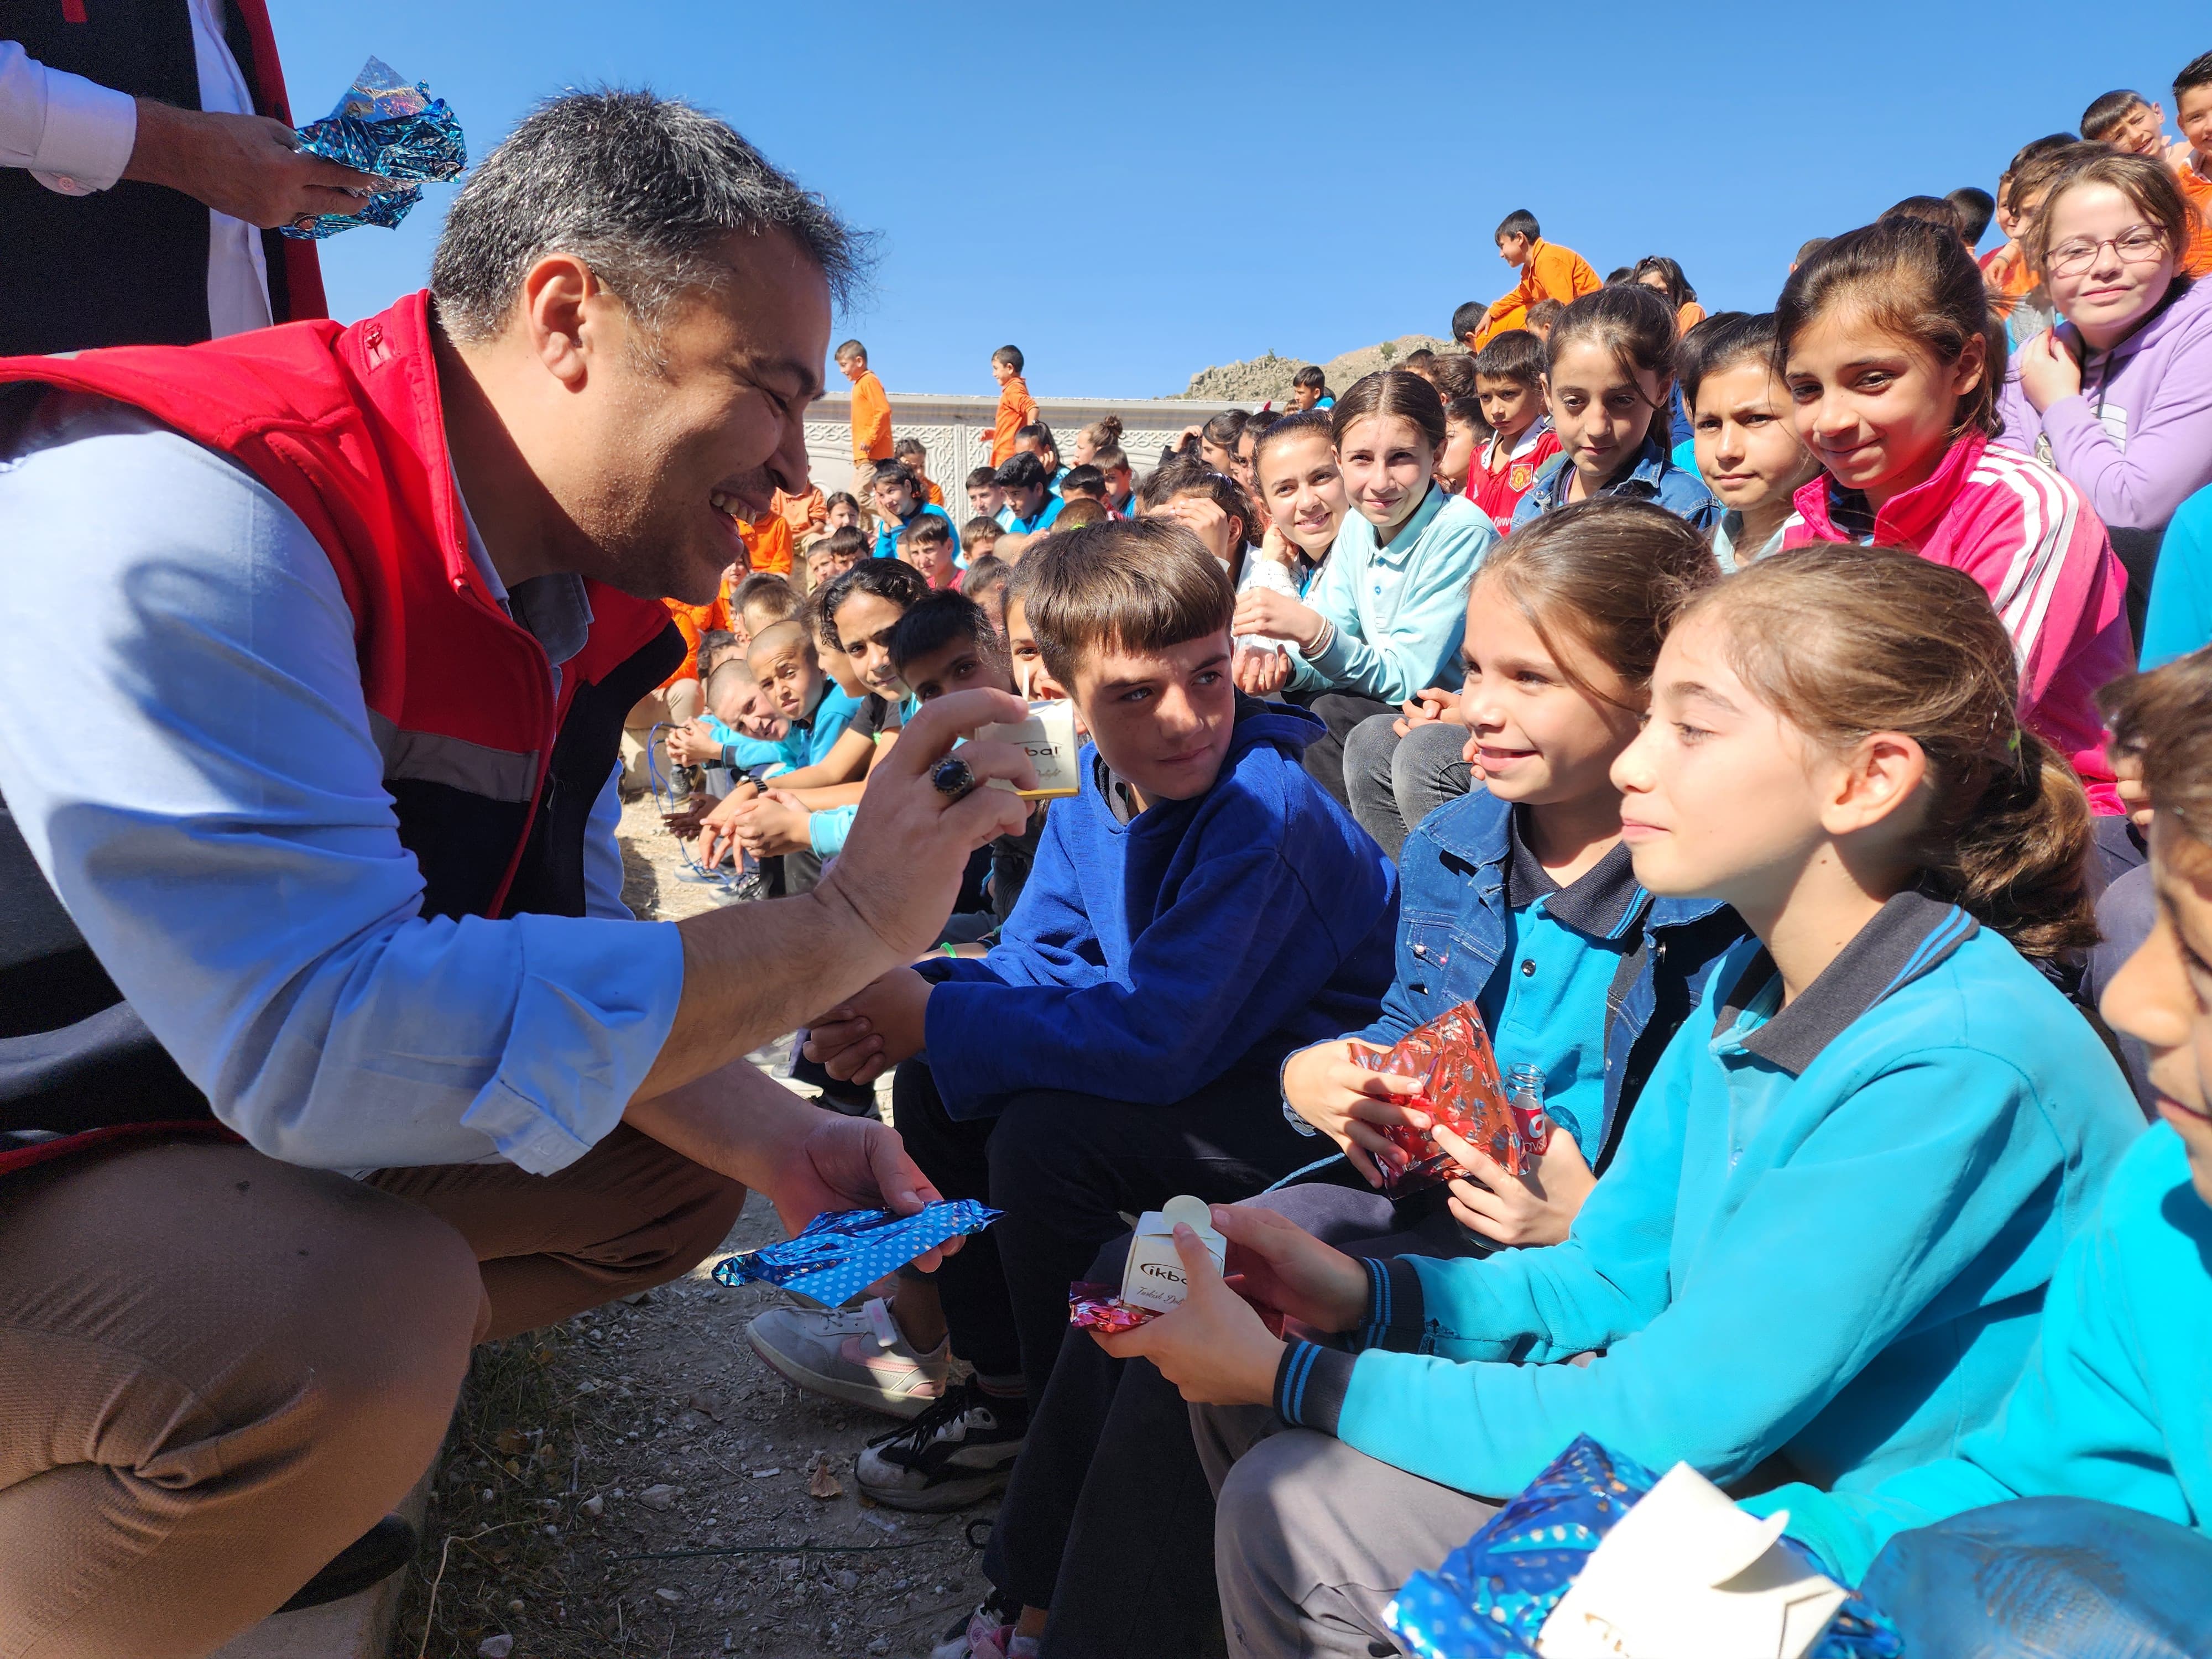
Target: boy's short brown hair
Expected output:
[927,531]
[767,593]
[1141,585]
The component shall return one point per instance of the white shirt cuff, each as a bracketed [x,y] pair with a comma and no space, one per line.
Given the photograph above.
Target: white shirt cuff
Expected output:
[87,140]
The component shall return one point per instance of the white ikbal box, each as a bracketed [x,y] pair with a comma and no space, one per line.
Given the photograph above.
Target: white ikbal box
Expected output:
[1154,1276]
[1049,735]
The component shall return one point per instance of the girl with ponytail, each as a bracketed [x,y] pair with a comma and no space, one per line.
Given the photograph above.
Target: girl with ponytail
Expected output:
[1823,1242]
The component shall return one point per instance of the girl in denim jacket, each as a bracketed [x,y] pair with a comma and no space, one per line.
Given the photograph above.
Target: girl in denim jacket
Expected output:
[1519,897]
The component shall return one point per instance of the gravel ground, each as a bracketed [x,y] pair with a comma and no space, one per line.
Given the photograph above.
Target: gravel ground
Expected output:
[638,1482]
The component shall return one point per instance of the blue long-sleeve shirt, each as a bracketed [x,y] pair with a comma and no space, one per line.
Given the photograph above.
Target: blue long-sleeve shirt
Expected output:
[2112,1405]
[1396,614]
[1826,1233]
[231,854]
[1147,958]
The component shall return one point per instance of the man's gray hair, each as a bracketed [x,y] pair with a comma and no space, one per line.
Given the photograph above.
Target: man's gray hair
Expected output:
[639,188]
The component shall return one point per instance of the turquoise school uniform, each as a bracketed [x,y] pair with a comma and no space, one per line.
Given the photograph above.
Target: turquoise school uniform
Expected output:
[1826,1234]
[2114,1403]
[1585,982]
[1045,515]
[887,539]
[1396,614]
[806,743]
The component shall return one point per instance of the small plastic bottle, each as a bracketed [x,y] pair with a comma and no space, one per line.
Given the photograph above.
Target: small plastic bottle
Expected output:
[1524,1094]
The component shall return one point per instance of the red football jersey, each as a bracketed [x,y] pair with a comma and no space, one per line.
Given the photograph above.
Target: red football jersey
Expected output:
[1499,493]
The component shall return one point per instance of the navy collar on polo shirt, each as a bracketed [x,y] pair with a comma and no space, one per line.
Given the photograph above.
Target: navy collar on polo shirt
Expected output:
[1603,902]
[1908,937]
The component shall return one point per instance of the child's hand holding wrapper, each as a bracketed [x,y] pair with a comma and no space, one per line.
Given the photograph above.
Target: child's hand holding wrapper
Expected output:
[1223,1345]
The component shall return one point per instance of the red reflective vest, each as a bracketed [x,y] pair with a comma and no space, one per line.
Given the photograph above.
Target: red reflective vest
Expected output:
[492,773]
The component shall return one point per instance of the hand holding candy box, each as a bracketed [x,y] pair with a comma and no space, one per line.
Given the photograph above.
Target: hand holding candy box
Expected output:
[1459,1090]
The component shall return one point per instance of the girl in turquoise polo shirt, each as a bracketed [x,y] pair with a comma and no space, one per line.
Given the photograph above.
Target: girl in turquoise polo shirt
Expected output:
[1821,1250]
[2111,1410]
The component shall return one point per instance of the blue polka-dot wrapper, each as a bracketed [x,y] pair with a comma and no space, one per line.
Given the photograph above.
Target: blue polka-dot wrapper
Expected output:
[393,129]
[843,1252]
[1491,1596]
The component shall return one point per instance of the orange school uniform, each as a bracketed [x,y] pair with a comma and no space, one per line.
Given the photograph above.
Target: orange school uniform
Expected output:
[936,494]
[2189,171]
[2008,277]
[1017,408]
[1688,316]
[1553,273]
[694,621]
[802,513]
[769,543]
[871,420]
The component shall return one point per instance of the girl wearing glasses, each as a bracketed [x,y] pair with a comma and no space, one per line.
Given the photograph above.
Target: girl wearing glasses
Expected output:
[2119,396]
[1892,360]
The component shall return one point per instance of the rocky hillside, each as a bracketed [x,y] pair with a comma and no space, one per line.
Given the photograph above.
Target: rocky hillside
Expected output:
[1258,378]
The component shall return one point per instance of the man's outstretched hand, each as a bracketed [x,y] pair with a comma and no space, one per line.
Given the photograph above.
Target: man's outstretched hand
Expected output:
[851,1164]
[901,868]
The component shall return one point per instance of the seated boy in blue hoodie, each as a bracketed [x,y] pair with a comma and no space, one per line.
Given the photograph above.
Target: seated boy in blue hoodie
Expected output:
[2112,1408]
[1198,911]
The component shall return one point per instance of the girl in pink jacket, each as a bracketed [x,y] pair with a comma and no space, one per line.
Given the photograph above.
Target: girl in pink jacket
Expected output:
[1893,362]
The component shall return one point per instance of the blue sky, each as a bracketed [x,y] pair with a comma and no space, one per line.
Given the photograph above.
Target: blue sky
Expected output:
[1132,193]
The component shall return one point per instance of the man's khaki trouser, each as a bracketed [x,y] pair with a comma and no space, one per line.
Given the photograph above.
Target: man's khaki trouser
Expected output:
[216,1370]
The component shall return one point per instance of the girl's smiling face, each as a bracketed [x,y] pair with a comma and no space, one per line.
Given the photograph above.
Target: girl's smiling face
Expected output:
[1302,487]
[2108,295]
[1601,411]
[1875,410]
[1535,737]
[2163,994]
[1386,461]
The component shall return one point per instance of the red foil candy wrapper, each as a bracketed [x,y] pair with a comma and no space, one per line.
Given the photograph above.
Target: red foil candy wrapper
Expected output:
[1460,1089]
[1100,1308]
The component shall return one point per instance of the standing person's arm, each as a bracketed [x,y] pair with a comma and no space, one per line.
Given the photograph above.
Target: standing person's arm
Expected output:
[244,885]
[77,137]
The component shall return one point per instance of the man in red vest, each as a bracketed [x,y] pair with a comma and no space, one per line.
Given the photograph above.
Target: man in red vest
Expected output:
[327,1047]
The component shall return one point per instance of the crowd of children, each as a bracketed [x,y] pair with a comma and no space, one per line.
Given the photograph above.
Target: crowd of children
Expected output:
[1740,712]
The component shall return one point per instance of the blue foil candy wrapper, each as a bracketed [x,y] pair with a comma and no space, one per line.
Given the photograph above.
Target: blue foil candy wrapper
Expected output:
[393,129]
[844,1251]
[1491,1596]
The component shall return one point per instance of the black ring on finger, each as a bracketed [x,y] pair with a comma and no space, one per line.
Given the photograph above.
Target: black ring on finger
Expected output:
[953,777]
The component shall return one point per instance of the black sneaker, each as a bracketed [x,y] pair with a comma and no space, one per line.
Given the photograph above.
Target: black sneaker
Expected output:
[369,1559]
[958,1452]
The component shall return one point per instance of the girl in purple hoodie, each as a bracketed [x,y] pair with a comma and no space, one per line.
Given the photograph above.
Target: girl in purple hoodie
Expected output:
[2119,396]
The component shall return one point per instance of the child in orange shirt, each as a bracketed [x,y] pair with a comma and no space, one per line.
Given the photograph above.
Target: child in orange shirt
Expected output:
[871,407]
[2191,159]
[1548,272]
[909,451]
[2006,271]
[806,513]
[1017,408]
[769,545]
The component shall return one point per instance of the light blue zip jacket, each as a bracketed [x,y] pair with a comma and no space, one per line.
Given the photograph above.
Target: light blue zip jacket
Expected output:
[1826,1235]
[1397,613]
[2114,1403]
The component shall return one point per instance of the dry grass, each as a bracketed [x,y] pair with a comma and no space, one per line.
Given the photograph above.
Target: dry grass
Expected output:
[510,1472]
